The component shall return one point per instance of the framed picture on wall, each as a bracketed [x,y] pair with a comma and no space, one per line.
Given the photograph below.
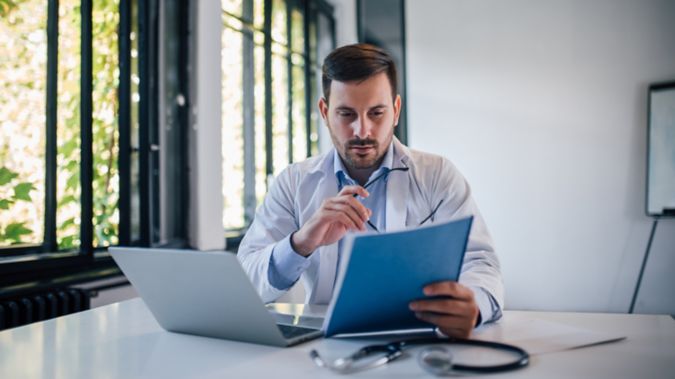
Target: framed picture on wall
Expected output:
[661,151]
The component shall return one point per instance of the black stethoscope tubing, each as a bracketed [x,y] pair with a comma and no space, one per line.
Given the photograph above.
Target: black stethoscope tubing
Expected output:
[521,361]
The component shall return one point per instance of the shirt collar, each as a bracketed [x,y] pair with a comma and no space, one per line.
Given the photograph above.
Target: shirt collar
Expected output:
[341,171]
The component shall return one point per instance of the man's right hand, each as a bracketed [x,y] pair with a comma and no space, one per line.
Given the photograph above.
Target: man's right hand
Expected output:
[332,221]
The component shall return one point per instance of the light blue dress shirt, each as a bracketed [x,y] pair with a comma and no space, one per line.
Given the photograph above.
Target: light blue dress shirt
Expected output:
[286,265]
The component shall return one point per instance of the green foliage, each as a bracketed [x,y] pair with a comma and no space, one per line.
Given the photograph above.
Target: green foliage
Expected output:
[6,175]
[22,72]
[13,231]
[22,191]
[4,203]
[6,6]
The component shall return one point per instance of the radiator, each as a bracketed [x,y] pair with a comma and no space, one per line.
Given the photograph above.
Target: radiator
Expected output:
[42,306]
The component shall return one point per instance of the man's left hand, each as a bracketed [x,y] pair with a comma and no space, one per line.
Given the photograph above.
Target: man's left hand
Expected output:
[456,314]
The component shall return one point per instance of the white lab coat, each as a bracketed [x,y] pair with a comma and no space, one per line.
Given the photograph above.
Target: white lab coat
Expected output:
[299,190]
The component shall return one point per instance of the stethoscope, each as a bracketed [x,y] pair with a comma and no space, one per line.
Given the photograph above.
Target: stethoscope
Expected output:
[435,359]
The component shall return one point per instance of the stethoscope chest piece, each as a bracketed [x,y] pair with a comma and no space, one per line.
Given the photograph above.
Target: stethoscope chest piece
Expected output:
[436,360]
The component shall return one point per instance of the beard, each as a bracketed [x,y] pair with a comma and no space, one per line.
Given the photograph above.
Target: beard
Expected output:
[355,159]
[369,158]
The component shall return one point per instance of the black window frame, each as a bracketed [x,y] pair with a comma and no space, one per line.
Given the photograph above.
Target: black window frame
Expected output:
[33,261]
[372,11]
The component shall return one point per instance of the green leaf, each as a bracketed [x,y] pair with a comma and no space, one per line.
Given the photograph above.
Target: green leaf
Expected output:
[67,223]
[22,191]
[74,181]
[67,242]
[6,175]
[4,204]
[6,6]
[68,199]
[15,230]
[68,147]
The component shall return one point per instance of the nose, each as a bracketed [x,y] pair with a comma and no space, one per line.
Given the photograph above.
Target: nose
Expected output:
[362,127]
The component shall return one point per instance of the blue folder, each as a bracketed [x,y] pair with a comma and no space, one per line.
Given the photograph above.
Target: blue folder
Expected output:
[382,273]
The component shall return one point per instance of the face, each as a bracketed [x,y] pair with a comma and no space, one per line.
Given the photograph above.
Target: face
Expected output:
[361,117]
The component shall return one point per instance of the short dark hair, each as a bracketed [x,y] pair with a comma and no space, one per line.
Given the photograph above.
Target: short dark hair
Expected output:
[357,62]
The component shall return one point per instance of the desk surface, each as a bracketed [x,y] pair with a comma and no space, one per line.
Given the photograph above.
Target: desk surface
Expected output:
[124,341]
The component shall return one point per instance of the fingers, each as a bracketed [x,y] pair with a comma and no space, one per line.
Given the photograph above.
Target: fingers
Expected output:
[349,221]
[453,307]
[450,326]
[354,190]
[355,220]
[347,204]
[449,288]
[455,313]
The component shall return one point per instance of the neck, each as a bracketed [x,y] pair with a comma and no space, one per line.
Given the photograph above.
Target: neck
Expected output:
[361,175]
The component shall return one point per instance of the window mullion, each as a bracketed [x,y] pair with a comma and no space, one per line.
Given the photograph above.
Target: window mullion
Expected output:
[86,138]
[148,134]
[49,242]
[269,164]
[124,122]
[289,82]
[308,78]
[248,82]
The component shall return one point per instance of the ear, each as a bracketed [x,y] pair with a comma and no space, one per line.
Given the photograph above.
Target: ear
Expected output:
[397,109]
[323,109]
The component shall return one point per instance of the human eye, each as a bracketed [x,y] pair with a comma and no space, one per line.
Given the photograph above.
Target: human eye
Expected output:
[345,113]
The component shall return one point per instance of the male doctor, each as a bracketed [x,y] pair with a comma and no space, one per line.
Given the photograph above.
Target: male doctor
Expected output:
[311,205]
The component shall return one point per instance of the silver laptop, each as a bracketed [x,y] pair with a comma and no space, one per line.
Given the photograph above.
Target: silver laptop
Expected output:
[206,294]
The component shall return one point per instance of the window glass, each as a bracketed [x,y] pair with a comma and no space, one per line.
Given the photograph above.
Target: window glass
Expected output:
[299,117]
[258,14]
[23,67]
[233,7]
[27,131]
[279,111]
[245,100]
[105,132]
[297,31]
[279,22]
[259,129]
[232,124]
[68,127]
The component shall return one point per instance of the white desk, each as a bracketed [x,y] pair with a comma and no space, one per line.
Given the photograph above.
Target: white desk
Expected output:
[123,341]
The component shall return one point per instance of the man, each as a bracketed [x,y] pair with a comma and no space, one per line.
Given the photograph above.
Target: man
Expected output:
[312,204]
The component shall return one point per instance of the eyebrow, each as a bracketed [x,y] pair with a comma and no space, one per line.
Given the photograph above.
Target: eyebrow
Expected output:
[346,108]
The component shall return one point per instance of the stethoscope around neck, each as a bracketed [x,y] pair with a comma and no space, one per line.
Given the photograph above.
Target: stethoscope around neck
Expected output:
[434,359]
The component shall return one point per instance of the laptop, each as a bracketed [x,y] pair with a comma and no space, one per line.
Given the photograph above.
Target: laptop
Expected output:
[206,294]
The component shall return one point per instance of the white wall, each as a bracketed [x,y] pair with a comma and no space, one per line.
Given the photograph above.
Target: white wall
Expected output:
[542,105]
[206,199]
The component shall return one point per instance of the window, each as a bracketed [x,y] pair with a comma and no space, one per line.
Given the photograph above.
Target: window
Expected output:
[69,124]
[23,67]
[269,91]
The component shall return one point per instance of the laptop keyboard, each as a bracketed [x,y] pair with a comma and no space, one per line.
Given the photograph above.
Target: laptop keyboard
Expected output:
[290,331]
